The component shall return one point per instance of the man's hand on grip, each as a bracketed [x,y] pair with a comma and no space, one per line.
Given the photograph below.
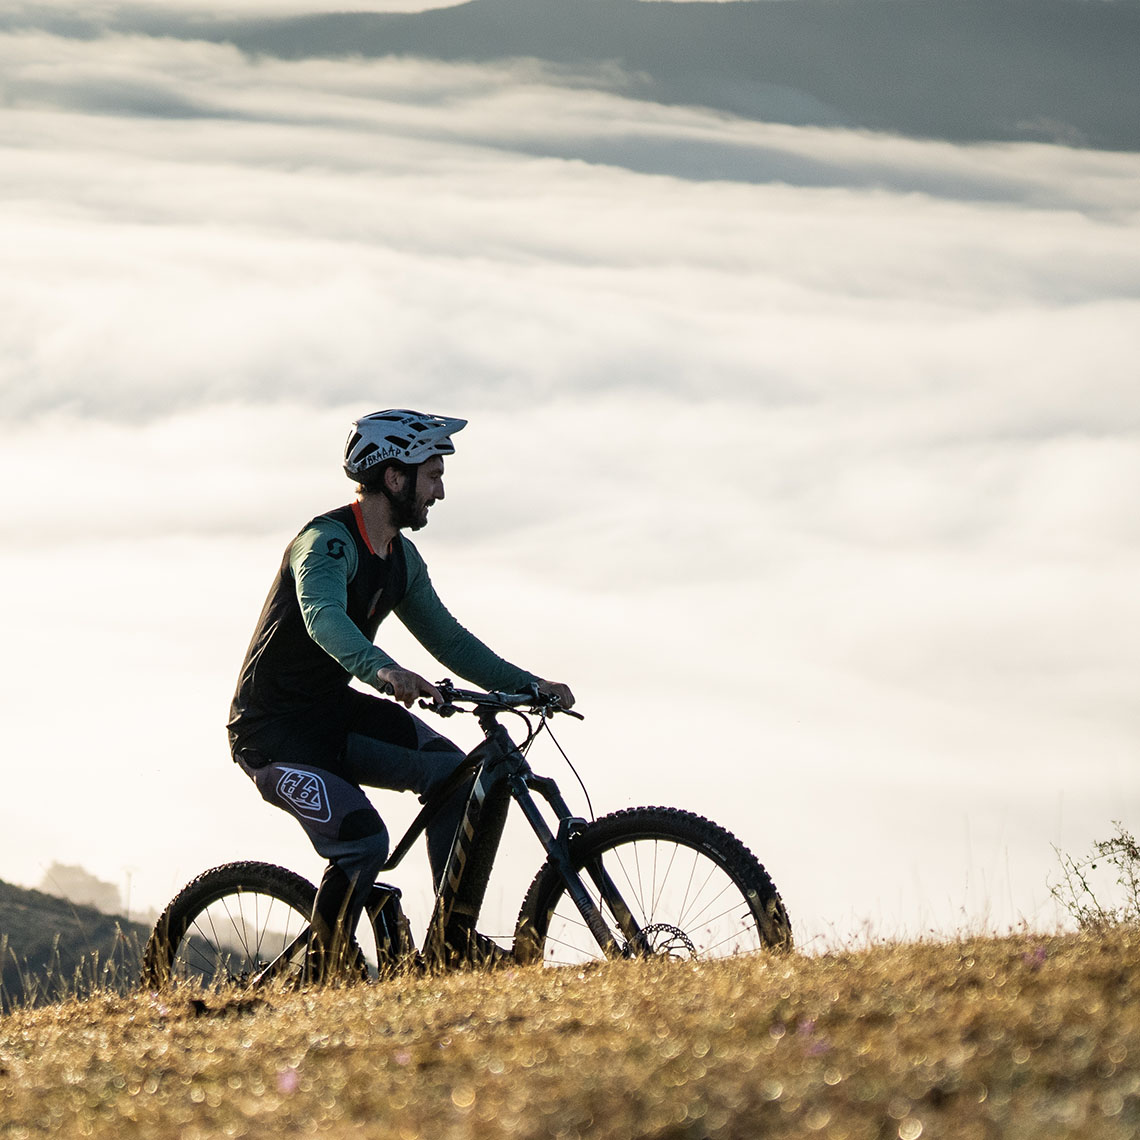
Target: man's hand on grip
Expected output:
[407,687]
[556,689]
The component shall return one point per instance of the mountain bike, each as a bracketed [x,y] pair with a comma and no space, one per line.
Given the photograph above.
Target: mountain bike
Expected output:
[640,882]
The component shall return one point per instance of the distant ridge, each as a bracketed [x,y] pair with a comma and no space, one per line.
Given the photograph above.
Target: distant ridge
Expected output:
[963,70]
[46,941]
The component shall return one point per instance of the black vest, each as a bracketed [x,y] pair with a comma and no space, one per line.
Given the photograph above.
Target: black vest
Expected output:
[291,702]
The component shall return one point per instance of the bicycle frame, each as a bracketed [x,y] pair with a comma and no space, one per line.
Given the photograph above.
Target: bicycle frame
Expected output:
[501,774]
[504,774]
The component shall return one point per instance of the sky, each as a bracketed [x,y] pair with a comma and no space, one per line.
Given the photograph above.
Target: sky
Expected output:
[807,452]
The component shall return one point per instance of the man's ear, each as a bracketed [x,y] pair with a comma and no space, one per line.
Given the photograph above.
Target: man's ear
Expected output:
[394,478]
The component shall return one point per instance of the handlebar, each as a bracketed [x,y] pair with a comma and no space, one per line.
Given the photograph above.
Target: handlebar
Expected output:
[530,699]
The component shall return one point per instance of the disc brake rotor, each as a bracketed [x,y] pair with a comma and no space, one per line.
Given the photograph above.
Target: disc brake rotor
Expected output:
[661,939]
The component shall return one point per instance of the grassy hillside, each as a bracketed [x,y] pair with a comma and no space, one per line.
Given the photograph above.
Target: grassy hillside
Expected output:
[50,946]
[1020,1037]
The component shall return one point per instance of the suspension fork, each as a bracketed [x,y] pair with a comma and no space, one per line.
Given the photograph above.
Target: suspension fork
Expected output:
[558,849]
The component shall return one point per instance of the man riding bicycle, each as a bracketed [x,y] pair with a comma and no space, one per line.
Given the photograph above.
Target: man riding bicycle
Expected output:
[309,740]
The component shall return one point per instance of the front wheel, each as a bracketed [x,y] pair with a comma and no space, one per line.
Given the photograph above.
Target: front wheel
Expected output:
[667,883]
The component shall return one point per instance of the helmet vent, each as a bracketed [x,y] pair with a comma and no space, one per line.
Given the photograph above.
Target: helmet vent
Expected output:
[399,441]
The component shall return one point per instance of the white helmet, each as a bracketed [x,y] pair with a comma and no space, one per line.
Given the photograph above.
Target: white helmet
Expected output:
[408,437]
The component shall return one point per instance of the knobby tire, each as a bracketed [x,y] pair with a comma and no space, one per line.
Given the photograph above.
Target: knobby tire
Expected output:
[227,924]
[695,891]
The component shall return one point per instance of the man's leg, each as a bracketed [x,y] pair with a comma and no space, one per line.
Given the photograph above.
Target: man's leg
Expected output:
[388,747]
[344,828]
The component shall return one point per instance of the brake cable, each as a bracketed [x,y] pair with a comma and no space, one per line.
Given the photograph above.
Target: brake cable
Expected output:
[544,716]
[545,724]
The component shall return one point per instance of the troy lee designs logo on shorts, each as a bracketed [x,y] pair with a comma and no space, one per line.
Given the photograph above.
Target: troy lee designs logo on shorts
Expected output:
[306,793]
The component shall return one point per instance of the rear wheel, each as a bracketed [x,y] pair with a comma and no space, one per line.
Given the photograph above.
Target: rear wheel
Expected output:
[227,925]
[668,883]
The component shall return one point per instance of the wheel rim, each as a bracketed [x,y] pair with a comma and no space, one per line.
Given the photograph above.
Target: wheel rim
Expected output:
[685,904]
[234,937]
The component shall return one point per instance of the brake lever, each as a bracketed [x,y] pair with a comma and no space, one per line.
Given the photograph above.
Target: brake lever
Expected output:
[546,711]
[445,709]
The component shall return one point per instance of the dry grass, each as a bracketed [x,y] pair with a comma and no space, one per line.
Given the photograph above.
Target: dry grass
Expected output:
[1018,1037]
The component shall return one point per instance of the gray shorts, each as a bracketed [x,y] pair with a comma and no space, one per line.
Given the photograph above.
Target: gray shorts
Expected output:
[386,747]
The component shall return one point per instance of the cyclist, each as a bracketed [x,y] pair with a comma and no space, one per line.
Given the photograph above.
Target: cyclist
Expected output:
[306,738]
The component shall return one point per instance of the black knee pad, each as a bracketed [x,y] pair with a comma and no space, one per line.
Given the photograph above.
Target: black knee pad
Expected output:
[361,825]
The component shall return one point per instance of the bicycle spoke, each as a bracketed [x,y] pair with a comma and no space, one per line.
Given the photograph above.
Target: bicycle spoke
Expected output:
[728,938]
[217,945]
[639,888]
[696,918]
[193,948]
[229,924]
[650,913]
[684,917]
[668,871]
[708,922]
[684,900]
[214,941]
[689,882]
[234,936]
[259,929]
[562,942]
[653,886]
[632,886]
[239,931]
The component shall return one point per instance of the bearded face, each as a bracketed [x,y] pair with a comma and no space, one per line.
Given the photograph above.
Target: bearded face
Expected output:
[417,490]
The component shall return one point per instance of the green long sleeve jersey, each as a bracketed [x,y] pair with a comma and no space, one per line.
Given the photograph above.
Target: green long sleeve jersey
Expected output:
[317,628]
[322,589]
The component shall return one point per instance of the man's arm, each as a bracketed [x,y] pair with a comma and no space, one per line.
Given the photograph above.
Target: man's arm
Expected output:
[434,627]
[323,561]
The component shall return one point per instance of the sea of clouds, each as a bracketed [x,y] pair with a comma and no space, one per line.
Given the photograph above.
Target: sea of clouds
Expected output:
[808,455]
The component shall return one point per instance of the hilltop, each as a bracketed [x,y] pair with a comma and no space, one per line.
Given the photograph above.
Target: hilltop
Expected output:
[1018,1037]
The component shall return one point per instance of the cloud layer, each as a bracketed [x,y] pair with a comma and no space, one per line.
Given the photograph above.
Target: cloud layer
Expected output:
[967,71]
[834,433]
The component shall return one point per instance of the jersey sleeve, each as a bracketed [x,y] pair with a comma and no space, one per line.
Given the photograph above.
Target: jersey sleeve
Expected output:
[433,626]
[323,561]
